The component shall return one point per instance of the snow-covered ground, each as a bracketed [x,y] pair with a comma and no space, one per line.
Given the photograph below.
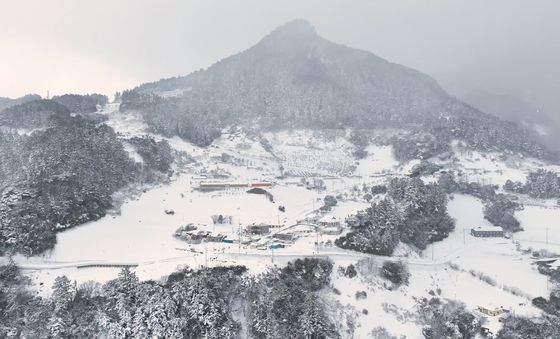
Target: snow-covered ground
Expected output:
[457,269]
[479,272]
[497,258]
[493,168]
[541,227]
[312,153]
[379,160]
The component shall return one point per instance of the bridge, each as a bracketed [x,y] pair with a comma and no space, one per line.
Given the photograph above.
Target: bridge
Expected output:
[53,265]
[106,264]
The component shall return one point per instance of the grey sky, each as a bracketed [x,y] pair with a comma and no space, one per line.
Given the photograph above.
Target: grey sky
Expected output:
[507,46]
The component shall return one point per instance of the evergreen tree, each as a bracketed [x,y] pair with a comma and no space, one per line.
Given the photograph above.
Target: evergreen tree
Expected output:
[313,323]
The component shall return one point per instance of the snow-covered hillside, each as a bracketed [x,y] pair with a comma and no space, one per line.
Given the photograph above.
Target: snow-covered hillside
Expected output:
[476,271]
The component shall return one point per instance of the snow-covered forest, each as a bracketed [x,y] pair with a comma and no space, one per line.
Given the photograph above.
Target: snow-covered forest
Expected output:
[313,83]
[63,174]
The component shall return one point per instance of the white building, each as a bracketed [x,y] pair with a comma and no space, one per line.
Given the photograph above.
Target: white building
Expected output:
[487,232]
[329,221]
[330,225]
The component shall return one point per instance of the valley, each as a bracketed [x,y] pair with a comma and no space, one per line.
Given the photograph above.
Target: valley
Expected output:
[477,271]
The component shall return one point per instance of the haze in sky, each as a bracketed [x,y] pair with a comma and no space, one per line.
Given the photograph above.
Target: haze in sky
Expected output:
[503,46]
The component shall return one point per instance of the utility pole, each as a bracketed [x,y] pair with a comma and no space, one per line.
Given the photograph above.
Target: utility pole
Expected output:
[206,255]
[432,252]
[317,241]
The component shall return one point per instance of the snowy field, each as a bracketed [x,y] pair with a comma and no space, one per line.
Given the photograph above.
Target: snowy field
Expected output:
[454,270]
[143,234]
[479,272]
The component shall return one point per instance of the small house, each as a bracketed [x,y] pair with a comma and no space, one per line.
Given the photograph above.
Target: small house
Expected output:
[491,311]
[211,186]
[186,228]
[285,236]
[218,185]
[192,238]
[329,221]
[487,232]
[330,225]
[258,229]
[186,233]
[331,230]
[215,238]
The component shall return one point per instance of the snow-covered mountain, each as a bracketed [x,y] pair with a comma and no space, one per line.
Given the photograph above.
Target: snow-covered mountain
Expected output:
[295,78]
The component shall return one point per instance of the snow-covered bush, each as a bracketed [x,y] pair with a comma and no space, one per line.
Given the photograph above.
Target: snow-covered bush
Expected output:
[500,212]
[446,319]
[396,272]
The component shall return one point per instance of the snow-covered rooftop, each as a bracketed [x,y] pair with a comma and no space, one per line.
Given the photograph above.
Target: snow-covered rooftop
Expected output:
[488,229]
[329,218]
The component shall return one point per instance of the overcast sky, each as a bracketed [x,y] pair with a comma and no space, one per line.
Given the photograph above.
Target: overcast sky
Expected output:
[508,46]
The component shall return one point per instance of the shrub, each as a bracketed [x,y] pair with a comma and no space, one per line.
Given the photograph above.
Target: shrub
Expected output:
[360,295]
[396,272]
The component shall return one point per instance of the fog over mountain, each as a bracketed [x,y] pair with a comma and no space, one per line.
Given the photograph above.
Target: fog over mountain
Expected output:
[545,124]
[504,47]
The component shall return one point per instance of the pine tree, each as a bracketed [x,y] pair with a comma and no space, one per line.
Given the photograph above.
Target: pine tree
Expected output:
[63,295]
[312,323]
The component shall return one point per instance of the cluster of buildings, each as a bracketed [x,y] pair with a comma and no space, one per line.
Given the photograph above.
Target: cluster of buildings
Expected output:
[326,225]
[192,235]
[260,235]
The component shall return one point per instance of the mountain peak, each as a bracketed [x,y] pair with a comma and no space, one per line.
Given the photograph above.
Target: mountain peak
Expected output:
[295,31]
[297,26]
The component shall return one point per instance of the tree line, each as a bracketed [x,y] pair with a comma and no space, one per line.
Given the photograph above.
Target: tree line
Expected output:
[221,302]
